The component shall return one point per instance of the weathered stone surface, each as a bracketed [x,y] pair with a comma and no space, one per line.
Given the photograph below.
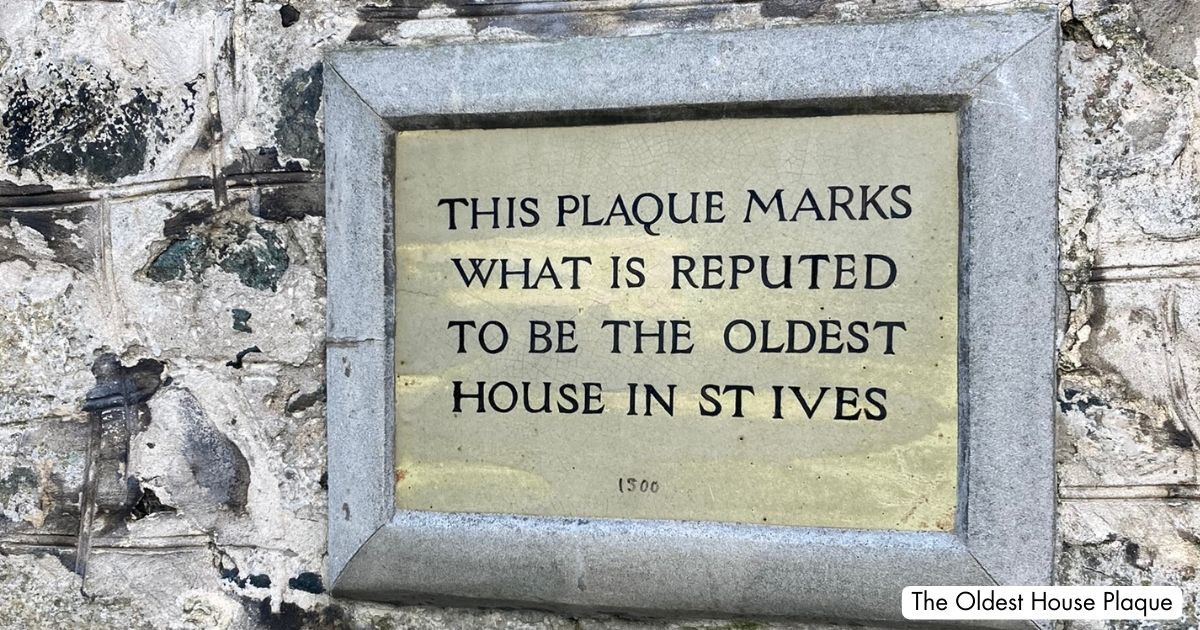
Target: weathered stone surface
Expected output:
[43,593]
[1129,166]
[182,264]
[161,116]
[271,103]
[41,476]
[1171,29]
[237,457]
[65,235]
[94,93]
[1132,542]
[51,316]
[1127,387]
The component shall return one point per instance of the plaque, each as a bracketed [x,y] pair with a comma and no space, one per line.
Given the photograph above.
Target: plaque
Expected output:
[750,320]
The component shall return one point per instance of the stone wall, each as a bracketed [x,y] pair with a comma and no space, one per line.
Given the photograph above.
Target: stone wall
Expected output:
[162,294]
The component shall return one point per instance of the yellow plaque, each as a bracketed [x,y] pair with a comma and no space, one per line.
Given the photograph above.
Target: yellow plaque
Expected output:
[745,320]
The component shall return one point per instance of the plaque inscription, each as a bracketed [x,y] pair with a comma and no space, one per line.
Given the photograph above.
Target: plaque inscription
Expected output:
[743,320]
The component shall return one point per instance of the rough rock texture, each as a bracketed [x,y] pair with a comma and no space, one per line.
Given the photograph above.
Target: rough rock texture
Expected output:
[162,286]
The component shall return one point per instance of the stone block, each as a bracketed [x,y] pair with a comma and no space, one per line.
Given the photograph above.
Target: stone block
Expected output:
[1128,391]
[203,281]
[96,93]
[53,311]
[1131,542]
[41,476]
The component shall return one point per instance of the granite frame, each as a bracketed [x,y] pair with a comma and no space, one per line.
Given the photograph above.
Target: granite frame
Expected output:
[998,71]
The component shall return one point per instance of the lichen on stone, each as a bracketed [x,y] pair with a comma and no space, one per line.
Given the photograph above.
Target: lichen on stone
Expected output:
[255,254]
[80,122]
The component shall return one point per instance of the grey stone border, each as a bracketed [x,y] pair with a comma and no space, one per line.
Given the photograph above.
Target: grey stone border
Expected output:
[996,70]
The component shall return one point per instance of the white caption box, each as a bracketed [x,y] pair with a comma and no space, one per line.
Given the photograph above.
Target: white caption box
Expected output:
[1042,602]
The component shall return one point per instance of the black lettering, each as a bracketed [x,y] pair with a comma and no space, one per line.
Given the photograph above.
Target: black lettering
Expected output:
[847,398]
[749,331]
[845,269]
[708,395]
[512,397]
[809,410]
[477,272]
[869,200]
[776,203]
[858,332]
[529,212]
[808,203]
[738,390]
[459,396]
[830,329]
[872,259]
[844,204]
[591,399]
[876,397]
[679,270]
[906,207]
[889,333]
[450,206]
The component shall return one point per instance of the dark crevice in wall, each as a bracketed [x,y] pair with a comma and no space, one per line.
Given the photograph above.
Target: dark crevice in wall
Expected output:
[288,15]
[301,402]
[67,232]
[299,101]
[46,197]
[147,504]
[402,10]
[202,239]
[913,104]
[308,582]
[292,617]
[241,320]
[237,362]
